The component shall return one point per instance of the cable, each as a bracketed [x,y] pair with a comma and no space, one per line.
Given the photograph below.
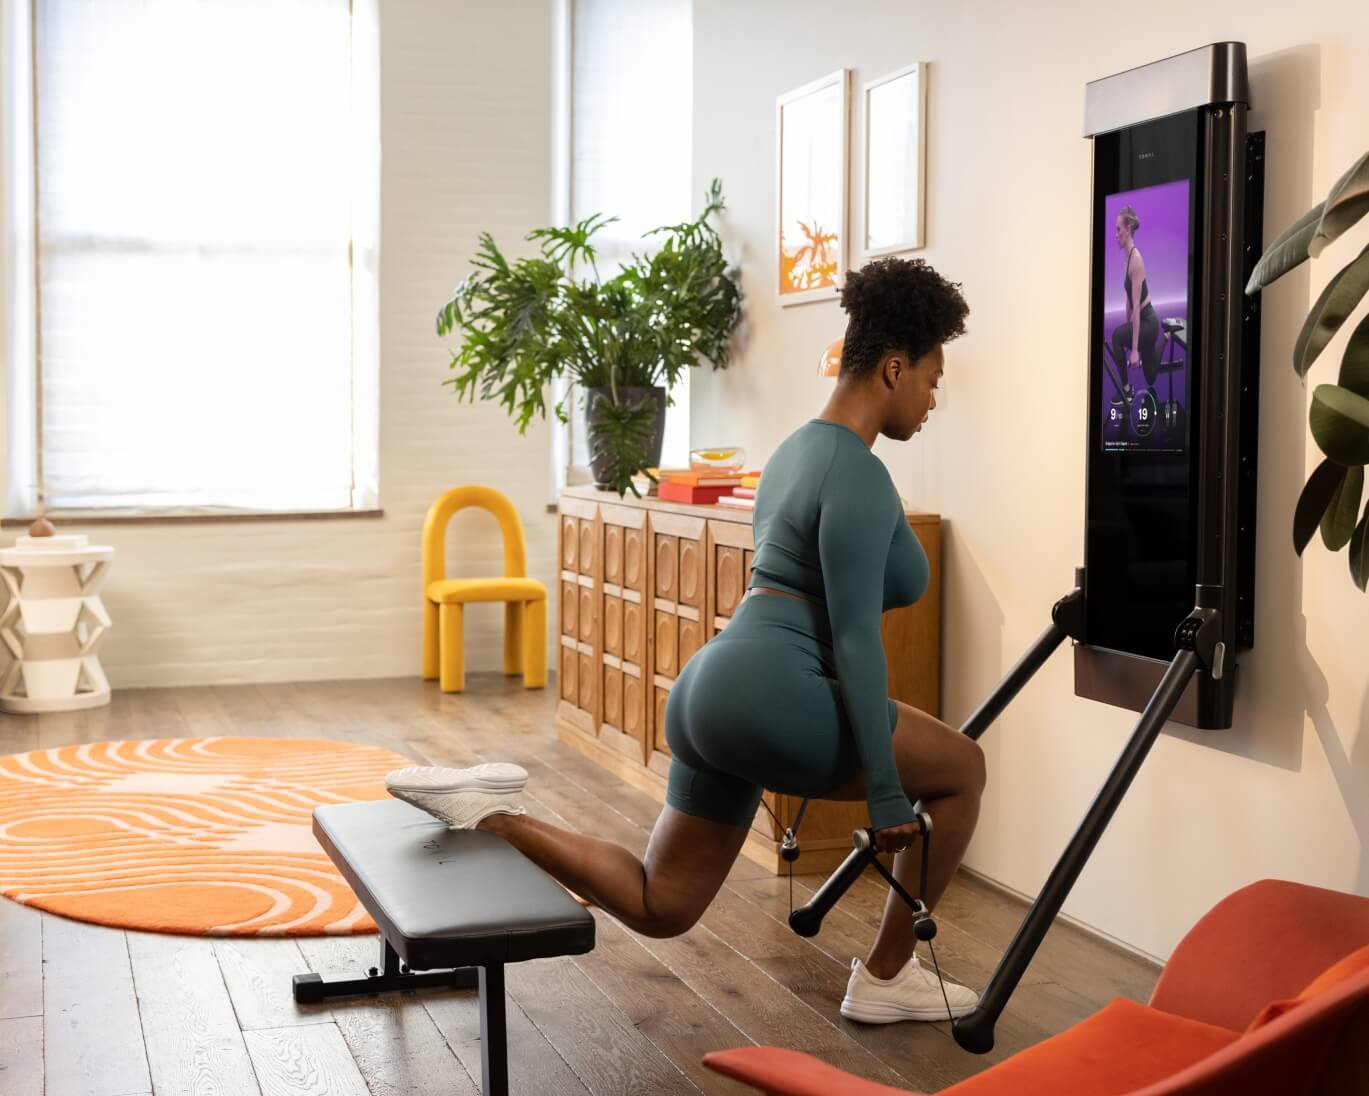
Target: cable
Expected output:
[940,981]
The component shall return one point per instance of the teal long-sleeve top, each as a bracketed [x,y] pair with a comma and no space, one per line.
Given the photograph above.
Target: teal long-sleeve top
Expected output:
[829,526]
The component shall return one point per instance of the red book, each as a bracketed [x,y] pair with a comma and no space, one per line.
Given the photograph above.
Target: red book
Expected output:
[682,492]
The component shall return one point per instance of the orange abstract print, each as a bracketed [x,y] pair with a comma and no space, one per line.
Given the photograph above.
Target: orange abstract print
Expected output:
[203,836]
[811,264]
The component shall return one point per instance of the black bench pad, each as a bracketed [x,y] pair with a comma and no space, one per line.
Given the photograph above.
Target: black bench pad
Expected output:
[449,898]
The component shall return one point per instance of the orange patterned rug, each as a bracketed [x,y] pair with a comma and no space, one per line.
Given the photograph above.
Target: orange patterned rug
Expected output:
[203,836]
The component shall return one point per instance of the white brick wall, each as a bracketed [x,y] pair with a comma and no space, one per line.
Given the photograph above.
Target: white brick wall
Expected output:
[465,132]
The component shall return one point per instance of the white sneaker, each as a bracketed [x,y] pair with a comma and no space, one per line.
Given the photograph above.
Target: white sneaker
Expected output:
[461,797]
[914,993]
[492,776]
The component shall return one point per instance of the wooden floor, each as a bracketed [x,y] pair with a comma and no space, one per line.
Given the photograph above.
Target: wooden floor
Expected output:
[98,1012]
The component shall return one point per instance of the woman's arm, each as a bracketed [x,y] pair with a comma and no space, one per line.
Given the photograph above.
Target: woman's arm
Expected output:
[855,528]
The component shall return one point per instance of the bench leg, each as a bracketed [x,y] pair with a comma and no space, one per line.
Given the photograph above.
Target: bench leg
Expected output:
[494,1047]
[311,988]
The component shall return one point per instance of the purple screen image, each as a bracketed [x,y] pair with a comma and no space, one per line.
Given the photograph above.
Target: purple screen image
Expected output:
[1162,240]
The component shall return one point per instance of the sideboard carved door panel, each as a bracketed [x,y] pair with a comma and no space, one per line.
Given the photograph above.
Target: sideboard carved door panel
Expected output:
[681,586]
[623,660]
[729,569]
[578,631]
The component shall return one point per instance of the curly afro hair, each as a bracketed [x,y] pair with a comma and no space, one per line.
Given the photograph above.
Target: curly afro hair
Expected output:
[899,305]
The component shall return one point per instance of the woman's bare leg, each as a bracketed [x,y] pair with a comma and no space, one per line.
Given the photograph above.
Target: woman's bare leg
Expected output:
[686,861]
[945,770]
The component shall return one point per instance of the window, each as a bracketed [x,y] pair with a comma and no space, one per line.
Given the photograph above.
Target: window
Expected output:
[626,94]
[205,203]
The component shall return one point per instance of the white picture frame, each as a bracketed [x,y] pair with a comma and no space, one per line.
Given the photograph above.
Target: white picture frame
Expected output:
[811,165]
[895,162]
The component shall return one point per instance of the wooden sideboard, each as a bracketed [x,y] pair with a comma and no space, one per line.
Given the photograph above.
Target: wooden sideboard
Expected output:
[643,585]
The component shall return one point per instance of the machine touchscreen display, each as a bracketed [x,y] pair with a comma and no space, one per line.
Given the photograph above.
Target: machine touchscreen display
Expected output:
[1146,274]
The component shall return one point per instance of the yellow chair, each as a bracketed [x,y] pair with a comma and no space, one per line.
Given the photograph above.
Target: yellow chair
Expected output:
[444,599]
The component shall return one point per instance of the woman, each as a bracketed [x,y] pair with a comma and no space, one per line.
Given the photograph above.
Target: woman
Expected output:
[792,695]
[1136,341]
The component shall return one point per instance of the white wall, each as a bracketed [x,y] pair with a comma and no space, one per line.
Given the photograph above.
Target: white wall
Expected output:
[465,133]
[1285,792]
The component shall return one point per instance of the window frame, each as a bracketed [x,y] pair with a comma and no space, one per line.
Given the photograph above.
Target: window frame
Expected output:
[21,492]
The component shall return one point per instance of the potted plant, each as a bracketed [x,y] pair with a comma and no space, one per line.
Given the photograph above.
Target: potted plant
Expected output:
[1339,415]
[624,340]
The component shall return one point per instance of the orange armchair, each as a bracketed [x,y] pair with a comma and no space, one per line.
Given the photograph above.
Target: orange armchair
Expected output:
[444,599]
[1268,993]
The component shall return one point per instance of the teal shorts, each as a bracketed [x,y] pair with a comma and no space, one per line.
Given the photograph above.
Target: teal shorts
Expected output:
[759,707]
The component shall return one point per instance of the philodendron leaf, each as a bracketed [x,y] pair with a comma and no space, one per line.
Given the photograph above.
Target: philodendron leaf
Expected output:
[1285,253]
[1354,367]
[1338,523]
[1344,206]
[1332,309]
[1312,503]
[1359,552]
[1340,423]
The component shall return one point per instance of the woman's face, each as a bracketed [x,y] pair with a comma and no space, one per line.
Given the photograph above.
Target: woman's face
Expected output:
[913,391]
[1123,233]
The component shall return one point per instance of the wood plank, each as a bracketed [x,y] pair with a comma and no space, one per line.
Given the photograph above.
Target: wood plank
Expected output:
[846,933]
[585,1027]
[92,1036]
[392,1039]
[1069,955]
[191,1033]
[18,734]
[918,1052]
[21,1056]
[304,1061]
[258,973]
[534,1064]
[21,960]
[679,1024]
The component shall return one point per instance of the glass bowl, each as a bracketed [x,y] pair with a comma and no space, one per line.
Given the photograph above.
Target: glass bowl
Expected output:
[717,458]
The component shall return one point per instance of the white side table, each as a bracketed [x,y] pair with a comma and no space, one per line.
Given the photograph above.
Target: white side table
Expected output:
[53,624]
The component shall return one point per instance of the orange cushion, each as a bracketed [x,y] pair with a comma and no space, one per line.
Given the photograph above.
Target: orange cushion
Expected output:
[1333,975]
[1124,1047]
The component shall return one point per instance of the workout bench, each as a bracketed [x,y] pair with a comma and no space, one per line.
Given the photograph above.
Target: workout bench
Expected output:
[457,905]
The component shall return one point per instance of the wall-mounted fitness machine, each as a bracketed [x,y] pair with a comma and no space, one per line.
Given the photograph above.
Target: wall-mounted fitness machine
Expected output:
[1166,594]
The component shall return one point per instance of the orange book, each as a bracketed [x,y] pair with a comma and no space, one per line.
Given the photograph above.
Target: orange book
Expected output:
[751,479]
[706,479]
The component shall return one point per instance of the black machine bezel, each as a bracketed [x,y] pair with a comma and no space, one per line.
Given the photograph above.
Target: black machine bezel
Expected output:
[1212,483]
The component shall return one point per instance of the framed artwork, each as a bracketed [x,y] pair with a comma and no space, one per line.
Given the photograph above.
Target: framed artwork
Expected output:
[895,169]
[811,153]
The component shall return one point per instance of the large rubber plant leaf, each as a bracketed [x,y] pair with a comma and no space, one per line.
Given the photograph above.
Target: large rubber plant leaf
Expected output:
[1291,248]
[1316,496]
[1354,367]
[1338,523]
[1332,309]
[1359,552]
[1344,206]
[1285,253]
[1340,423]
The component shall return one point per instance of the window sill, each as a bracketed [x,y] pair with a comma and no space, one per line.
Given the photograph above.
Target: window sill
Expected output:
[139,517]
